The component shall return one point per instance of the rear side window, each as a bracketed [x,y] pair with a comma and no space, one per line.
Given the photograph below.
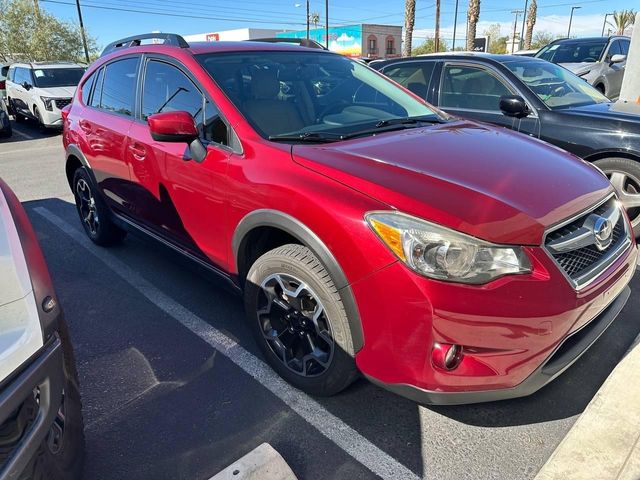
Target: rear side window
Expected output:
[471,88]
[118,88]
[97,92]
[413,76]
[86,88]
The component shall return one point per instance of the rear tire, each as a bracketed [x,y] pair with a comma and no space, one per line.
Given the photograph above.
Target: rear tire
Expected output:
[624,175]
[286,324]
[94,214]
[61,454]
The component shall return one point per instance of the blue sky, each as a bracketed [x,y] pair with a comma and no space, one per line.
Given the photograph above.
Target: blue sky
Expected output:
[111,22]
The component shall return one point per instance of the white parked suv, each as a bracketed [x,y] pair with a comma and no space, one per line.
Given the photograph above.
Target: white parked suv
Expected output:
[40,90]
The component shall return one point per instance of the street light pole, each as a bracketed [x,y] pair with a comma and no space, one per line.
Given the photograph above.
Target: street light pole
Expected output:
[604,24]
[326,27]
[455,24]
[571,20]
[84,36]
[307,19]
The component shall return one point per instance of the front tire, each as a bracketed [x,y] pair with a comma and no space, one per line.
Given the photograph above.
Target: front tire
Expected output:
[61,454]
[624,175]
[298,320]
[93,212]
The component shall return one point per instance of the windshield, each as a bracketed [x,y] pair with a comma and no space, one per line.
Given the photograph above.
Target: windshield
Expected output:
[314,95]
[573,52]
[57,77]
[556,86]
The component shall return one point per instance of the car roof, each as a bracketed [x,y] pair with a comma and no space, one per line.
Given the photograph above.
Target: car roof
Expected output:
[586,39]
[247,46]
[493,58]
[45,65]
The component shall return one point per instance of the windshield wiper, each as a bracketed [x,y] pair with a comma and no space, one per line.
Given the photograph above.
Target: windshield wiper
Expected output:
[409,121]
[312,137]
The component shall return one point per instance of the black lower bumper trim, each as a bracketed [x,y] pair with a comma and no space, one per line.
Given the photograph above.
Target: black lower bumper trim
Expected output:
[45,372]
[561,359]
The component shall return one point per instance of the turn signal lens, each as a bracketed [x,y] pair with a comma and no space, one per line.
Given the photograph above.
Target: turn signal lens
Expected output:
[389,235]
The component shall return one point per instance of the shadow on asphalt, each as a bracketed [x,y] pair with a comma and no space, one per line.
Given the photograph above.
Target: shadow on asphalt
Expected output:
[29,130]
[389,421]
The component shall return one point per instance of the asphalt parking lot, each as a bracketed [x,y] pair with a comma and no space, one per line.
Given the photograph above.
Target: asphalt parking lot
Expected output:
[173,387]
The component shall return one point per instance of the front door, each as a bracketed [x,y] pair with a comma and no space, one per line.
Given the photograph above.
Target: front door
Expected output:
[474,91]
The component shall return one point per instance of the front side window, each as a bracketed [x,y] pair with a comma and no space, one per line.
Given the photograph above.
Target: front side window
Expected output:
[556,86]
[167,89]
[614,49]
[118,88]
[624,47]
[471,88]
[311,93]
[573,52]
[22,75]
[57,77]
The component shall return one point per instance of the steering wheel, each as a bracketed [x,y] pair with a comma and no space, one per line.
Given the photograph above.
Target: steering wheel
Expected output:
[333,106]
[559,91]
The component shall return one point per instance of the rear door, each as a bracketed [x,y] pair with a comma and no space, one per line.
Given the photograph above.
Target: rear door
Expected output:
[474,91]
[414,75]
[105,124]
[178,198]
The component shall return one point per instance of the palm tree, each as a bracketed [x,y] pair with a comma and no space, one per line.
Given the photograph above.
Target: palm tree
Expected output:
[622,20]
[473,14]
[409,20]
[314,17]
[531,21]
[437,33]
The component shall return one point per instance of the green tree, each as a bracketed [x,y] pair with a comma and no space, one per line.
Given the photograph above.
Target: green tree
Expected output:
[30,36]
[497,42]
[429,46]
[543,38]
[622,20]
[314,17]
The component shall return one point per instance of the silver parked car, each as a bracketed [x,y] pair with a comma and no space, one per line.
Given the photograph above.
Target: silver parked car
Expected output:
[600,60]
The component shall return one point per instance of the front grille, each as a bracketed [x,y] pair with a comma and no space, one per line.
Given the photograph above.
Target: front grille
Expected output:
[62,102]
[583,264]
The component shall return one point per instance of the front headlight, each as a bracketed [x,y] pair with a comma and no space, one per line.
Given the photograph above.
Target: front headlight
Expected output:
[444,254]
[48,103]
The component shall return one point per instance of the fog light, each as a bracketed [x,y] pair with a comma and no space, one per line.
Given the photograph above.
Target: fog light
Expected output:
[446,356]
[48,304]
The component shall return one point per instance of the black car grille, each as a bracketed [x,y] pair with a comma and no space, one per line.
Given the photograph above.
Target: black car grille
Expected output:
[62,102]
[578,263]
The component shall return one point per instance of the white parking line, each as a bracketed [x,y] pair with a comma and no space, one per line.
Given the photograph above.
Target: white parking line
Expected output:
[309,410]
[28,149]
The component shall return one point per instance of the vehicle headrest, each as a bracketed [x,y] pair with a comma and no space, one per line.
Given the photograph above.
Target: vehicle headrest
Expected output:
[265,83]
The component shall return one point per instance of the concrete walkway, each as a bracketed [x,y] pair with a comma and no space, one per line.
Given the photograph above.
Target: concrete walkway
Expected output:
[604,443]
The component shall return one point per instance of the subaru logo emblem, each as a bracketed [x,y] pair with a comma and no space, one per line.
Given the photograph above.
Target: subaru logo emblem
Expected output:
[603,233]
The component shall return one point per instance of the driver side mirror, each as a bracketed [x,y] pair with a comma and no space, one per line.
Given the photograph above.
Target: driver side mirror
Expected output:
[26,86]
[617,58]
[514,106]
[177,127]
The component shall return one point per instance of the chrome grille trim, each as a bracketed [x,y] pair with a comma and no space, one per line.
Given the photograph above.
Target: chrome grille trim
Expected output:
[583,265]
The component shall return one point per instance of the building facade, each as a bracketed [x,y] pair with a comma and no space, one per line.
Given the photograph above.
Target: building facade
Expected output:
[238,34]
[358,41]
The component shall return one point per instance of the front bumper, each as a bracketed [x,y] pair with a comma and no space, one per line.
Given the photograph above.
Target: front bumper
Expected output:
[518,332]
[45,372]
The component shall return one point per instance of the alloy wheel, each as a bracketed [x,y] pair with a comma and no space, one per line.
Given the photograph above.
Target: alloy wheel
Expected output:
[295,325]
[628,190]
[87,206]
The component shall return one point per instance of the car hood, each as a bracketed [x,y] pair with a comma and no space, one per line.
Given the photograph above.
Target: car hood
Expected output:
[579,68]
[57,92]
[488,182]
[606,111]
[15,282]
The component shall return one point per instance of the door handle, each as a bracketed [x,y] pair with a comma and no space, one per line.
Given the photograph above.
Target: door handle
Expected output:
[138,151]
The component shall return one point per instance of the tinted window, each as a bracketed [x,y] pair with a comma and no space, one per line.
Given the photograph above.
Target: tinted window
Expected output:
[118,89]
[86,88]
[573,52]
[97,92]
[57,77]
[624,47]
[471,88]
[22,75]
[614,49]
[413,76]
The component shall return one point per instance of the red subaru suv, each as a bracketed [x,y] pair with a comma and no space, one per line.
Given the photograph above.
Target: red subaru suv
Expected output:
[446,260]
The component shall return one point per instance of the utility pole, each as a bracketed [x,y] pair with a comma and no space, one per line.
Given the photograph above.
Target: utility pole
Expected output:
[515,25]
[524,19]
[307,19]
[326,27]
[84,36]
[571,20]
[437,33]
[455,23]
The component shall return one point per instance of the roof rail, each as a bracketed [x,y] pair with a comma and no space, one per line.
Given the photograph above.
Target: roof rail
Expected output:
[303,42]
[135,40]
